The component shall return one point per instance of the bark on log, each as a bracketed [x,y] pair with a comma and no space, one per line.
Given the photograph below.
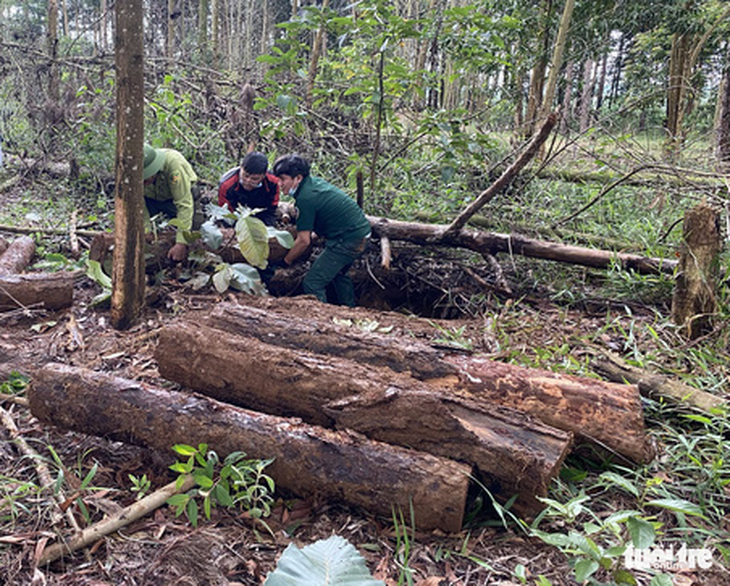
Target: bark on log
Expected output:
[516,454]
[3,245]
[17,256]
[695,293]
[308,460]
[289,331]
[606,414]
[592,409]
[493,243]
[50,291]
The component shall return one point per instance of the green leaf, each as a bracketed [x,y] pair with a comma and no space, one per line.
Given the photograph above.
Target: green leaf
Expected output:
[96,273]
[678,506]
[641,532]
[246,278]
[661,580]
[223,496]
[222,279]
[253,240]
[203,481]
[584,569]
[192,512]
[184,449]
[283,237]
[328,562]
[181,467]
[212,235]
[90,476]
[621,482]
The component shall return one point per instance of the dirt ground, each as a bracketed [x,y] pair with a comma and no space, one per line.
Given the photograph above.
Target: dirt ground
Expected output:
[162,549]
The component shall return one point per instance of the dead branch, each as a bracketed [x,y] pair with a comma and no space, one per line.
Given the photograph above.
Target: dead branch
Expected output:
[115,522]
[504,180]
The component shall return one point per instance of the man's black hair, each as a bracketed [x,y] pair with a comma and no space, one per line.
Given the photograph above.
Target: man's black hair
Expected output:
[291,165]
[255,163]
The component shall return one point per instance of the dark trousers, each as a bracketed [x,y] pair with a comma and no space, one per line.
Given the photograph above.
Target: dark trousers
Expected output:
[331,267]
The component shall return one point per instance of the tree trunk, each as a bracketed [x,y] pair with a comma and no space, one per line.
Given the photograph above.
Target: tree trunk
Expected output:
[586,96]
[17,256]
[722,128]
[308,460]
[695,293]
[556,64]
[603,414]
[49,291]
[493,243]
[515,454]
[567,107]
[129,268]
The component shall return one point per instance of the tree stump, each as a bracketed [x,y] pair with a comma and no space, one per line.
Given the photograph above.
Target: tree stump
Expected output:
[695,292]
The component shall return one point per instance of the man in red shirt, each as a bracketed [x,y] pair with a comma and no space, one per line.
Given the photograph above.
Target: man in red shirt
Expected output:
[250,185]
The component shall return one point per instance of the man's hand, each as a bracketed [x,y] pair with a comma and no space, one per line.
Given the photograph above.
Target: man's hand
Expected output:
[179,252]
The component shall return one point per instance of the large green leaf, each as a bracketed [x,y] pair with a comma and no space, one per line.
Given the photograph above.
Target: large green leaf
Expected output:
[329,562]
[253,240]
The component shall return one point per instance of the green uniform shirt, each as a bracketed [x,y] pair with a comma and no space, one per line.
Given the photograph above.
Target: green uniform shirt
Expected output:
[328,211]
[174,182]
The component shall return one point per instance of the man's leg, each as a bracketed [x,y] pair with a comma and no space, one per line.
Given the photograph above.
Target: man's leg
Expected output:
[324,270]
[331,267]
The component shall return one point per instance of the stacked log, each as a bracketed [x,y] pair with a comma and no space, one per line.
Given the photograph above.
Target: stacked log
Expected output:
[401,391]
[308,460]
[50,291]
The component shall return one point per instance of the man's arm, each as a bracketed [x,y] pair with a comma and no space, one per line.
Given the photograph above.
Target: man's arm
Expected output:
[301,244]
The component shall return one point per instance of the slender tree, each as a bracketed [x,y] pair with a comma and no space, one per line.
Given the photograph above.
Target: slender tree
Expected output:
[129,271]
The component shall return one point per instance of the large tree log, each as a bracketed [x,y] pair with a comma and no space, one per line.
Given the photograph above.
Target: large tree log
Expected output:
[17,256]
[515,453]
[592,409]
[290,331]
[308,461]
[603,413]
[493,243]
[33,290]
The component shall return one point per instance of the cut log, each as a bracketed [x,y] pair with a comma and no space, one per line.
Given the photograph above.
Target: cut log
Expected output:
[605,414]
[655,386]
[17,256]
[591,409]
[694,302]
[308,461]
[515,453]
[493,243]
[287,330]
[50,291]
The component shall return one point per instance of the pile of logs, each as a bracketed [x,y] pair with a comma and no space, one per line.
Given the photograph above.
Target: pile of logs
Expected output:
[20,290]
[378,420]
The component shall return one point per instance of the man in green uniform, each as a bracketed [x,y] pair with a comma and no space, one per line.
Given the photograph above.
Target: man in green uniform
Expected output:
[168,180]
[328,212]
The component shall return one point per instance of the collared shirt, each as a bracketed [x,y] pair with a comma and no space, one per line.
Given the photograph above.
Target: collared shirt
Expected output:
[174,182]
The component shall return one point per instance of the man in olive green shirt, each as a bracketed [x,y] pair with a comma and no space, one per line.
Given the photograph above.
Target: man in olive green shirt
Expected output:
[168,180]
[328,212]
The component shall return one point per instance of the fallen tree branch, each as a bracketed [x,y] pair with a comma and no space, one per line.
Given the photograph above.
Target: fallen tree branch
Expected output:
[493,243]
[115,522]
[653,385]
[504,180]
